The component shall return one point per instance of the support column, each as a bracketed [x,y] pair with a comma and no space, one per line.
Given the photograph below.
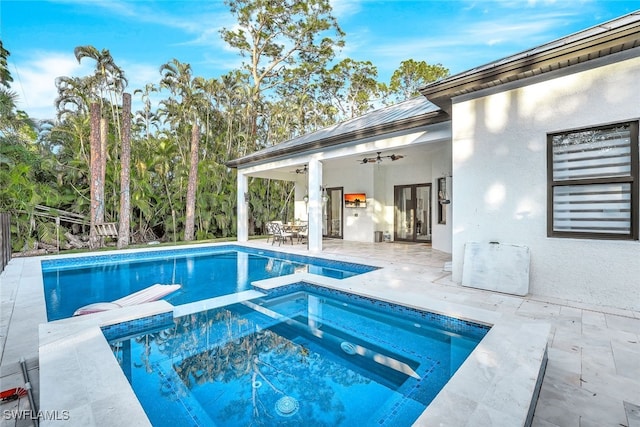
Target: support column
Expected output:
[243,207]
[315,205]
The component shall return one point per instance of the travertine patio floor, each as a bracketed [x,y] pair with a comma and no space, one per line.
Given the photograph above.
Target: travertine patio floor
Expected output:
[593,372]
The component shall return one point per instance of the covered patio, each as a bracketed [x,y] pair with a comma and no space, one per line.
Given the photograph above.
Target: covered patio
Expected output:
[396,159]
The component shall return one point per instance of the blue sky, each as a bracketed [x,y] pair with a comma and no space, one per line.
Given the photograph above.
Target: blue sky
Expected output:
[143,35]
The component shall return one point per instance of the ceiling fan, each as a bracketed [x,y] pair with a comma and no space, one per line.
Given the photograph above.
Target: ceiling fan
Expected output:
[303,170]
[378,158]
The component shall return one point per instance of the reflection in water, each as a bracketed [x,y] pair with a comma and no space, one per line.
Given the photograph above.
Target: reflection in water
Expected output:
[219,352]
[295,358]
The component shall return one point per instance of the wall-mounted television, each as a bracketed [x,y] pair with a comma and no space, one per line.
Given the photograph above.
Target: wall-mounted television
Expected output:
[355,200]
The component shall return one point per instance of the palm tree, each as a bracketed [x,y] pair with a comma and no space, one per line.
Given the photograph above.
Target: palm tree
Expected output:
[97,187]
[108,82]
[177,77]
[74,94]
[146,118]
[110,78]
[125,174]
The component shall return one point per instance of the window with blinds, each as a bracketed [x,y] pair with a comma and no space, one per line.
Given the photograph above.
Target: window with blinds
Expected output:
[593,182]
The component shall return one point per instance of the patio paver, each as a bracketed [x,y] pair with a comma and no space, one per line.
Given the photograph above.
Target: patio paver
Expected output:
[592,376]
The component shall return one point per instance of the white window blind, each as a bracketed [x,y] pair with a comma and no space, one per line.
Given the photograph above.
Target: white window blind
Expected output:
[592,181]
[594,208]
[592,154]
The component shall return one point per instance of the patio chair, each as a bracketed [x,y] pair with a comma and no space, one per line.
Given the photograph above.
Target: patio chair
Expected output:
[269,227]
[303,233]
[279,233]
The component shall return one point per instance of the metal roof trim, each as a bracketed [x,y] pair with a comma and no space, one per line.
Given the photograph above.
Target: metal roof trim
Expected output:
[408,114]
[601,40]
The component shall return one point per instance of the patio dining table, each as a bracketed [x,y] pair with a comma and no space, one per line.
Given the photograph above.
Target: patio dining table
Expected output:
[294,228]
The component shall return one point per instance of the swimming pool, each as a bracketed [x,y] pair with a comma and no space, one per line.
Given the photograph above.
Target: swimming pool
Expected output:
[203,273]
[302,355]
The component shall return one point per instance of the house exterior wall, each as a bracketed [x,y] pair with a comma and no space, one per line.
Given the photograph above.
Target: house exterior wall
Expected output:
[358,225]
[378,182]
[500,177]
[441,167]
[415,170]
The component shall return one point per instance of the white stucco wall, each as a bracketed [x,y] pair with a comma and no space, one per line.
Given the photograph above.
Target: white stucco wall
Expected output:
[427,152]
[441,167]
[378,182]
[359,223]
[500,178]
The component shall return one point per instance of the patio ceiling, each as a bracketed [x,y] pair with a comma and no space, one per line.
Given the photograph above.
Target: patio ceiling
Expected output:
[290,168]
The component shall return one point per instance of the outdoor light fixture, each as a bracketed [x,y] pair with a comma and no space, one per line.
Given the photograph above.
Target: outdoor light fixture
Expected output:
[325,196]
[442,191]
[246,197]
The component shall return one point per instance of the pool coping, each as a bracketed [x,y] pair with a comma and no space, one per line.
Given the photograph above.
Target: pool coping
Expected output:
[506,368]
[79,374]
[496,385]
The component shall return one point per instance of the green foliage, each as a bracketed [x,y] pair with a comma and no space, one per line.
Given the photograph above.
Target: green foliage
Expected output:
[288,85]
[47,232]
[352,87]
[411,76]
[5,74]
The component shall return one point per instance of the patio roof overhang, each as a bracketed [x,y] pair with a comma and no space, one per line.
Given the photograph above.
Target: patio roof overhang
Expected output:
[597,42]
[410,143]
[411,114]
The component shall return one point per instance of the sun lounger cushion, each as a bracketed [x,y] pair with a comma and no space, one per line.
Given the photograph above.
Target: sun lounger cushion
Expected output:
[152,293]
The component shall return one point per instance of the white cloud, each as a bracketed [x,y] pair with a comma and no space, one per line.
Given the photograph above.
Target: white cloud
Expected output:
[138,75]
[34,80]
[342,9]
[462,43]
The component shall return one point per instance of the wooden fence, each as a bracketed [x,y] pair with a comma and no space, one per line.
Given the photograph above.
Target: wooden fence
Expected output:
[5,240]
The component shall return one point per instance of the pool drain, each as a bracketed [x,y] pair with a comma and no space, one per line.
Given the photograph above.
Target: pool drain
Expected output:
[166,388]
[348,347]
[287,406]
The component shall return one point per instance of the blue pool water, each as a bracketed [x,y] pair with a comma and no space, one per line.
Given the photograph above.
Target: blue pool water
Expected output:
[205,272]
[302,355]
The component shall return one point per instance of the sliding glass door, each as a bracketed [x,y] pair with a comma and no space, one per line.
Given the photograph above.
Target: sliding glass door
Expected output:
[412,220]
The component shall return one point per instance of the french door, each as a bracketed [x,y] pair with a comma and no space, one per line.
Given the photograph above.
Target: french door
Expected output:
[412,220]
[332,213]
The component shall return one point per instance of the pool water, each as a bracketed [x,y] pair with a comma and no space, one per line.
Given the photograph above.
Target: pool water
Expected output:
[203,273]
[303,355]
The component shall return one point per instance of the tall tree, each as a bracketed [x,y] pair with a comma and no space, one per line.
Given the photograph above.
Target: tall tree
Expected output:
[5,74]
[177,77]
[125,174]
[109,78]
[97,187]
[192,184]
[352,87]
[275,36]
[109,82]
[411,76]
